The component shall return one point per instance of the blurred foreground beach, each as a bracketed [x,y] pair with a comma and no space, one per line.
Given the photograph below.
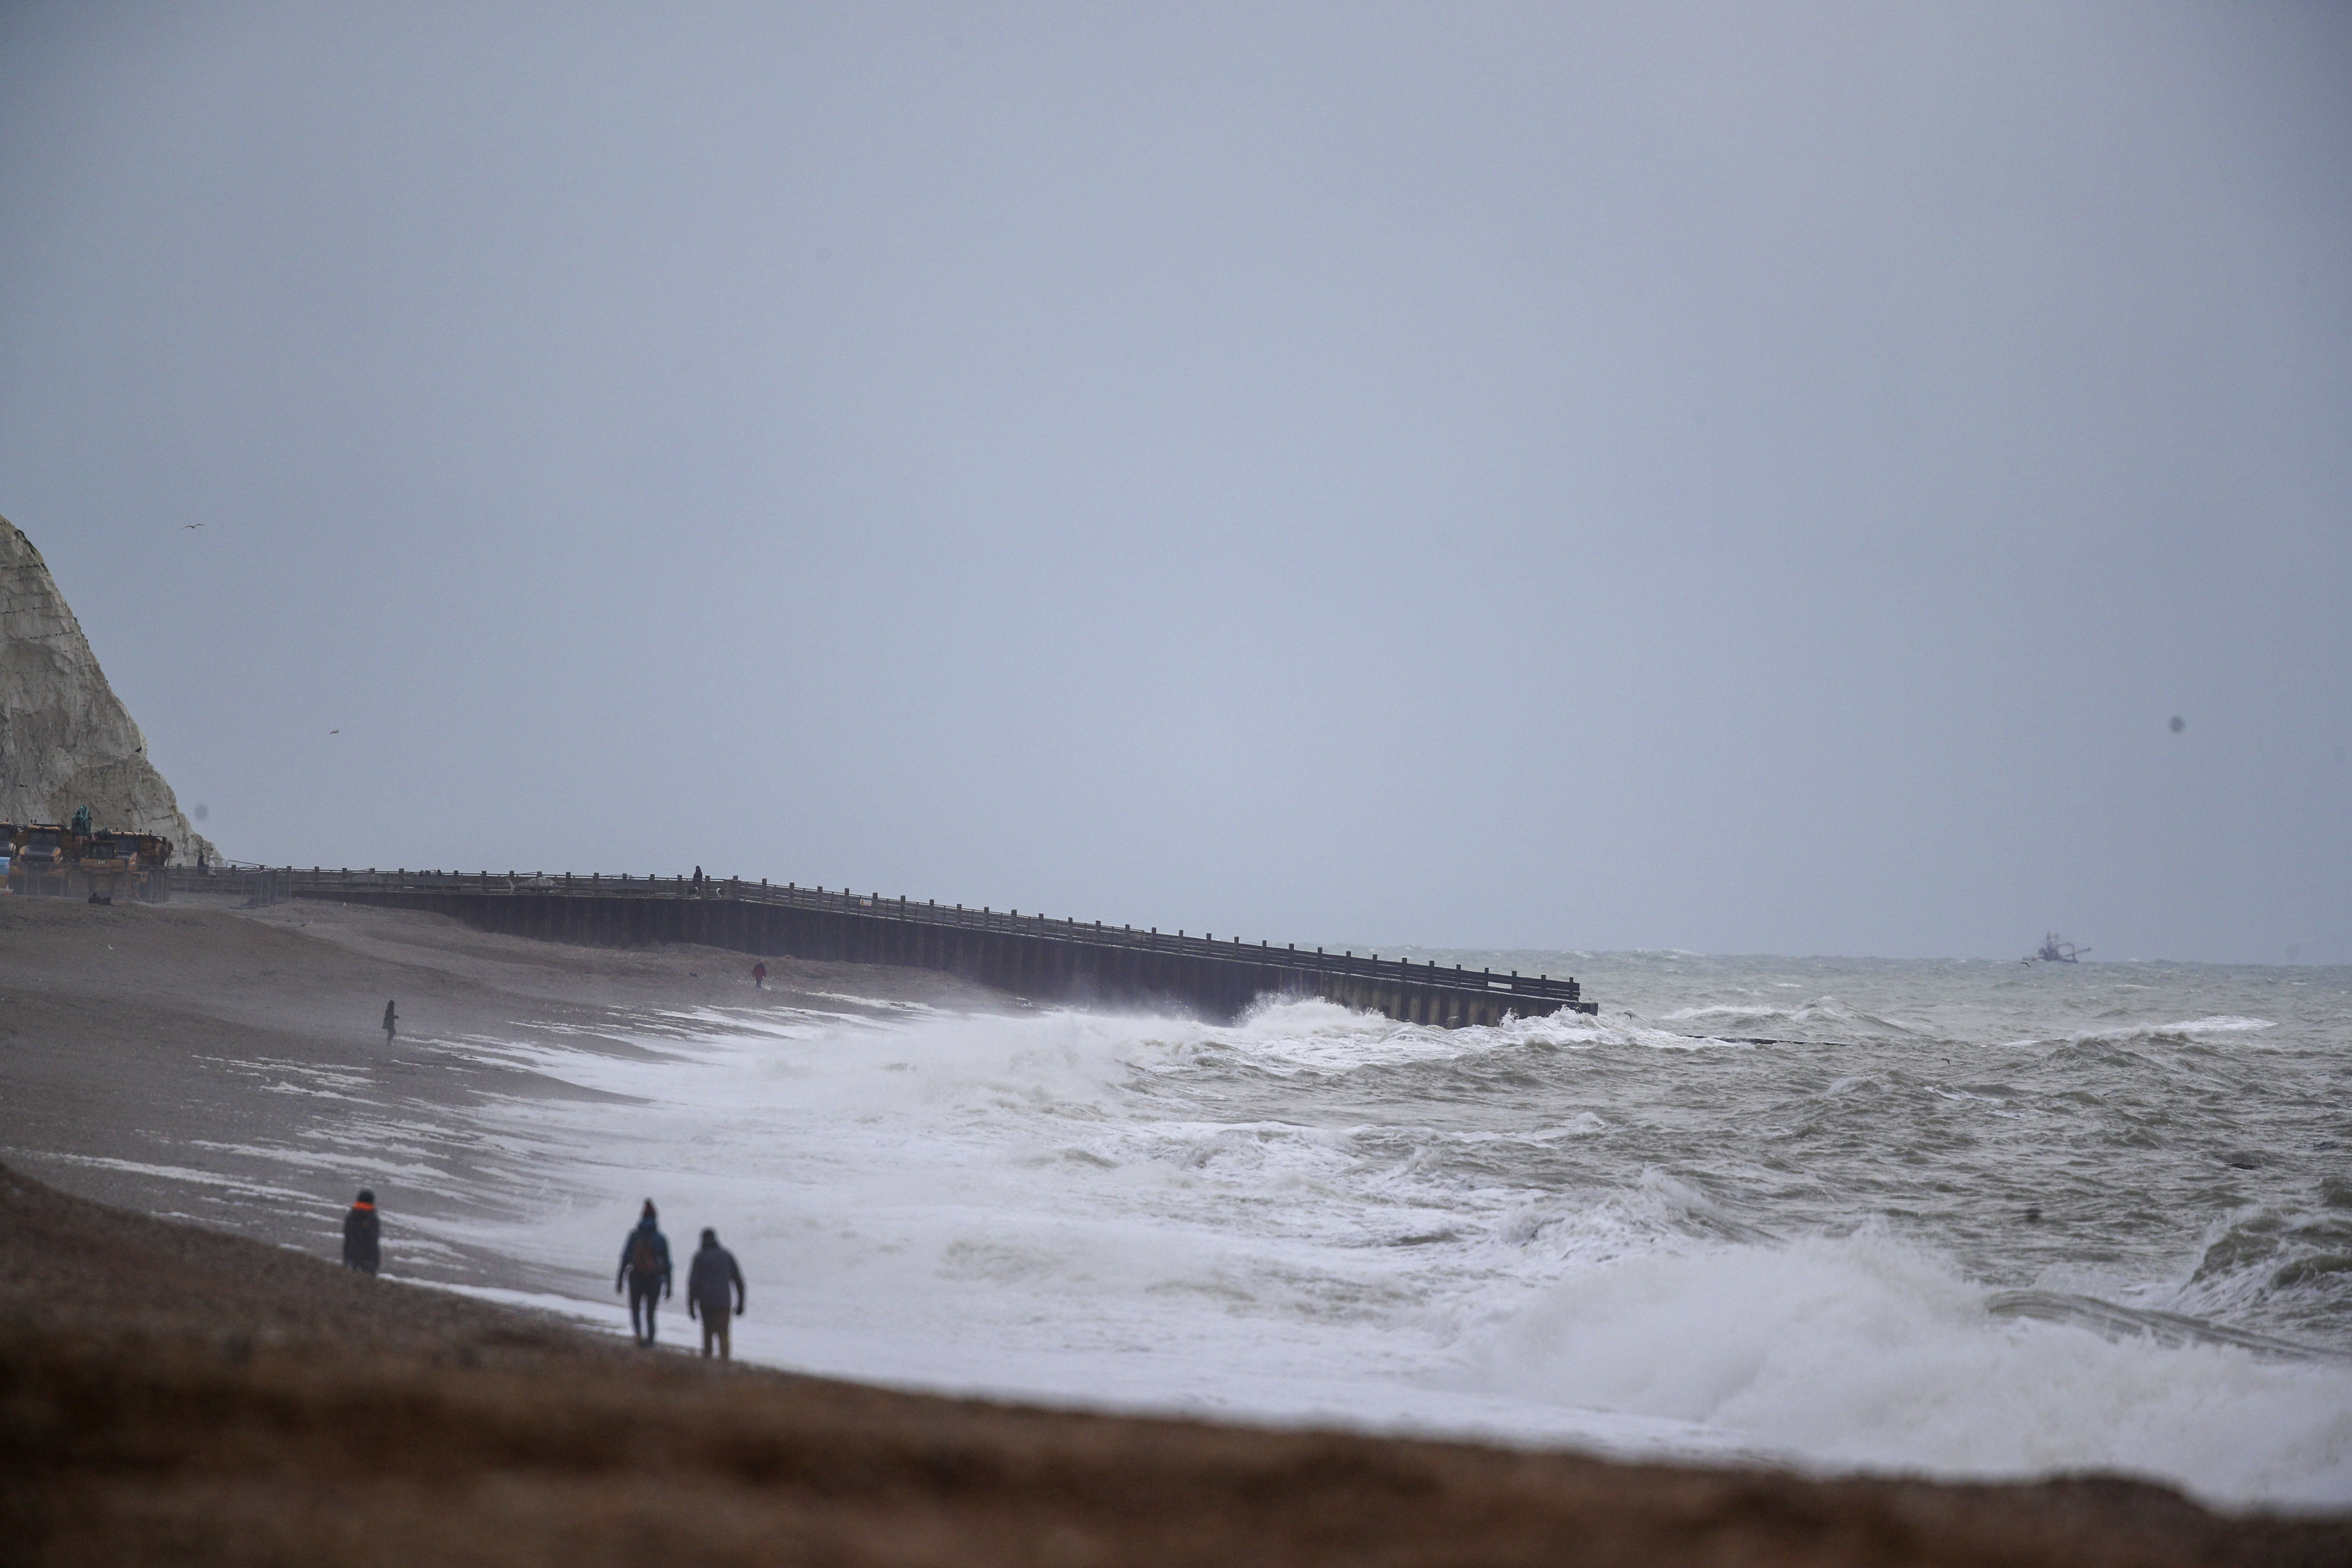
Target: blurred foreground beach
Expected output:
[169,1394]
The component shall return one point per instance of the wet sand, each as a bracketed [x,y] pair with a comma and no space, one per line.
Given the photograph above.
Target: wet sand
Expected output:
[172,1391]
[207,1062]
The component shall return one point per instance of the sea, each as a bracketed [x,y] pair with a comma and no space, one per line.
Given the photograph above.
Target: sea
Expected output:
[1956,1219]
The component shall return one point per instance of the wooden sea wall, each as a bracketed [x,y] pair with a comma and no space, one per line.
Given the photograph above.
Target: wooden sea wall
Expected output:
[1032,956]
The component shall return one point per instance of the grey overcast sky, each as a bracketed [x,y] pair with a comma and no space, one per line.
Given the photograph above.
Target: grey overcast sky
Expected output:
[1744,478]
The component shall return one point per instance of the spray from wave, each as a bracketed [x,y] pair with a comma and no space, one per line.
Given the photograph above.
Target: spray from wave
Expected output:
[1629,1231]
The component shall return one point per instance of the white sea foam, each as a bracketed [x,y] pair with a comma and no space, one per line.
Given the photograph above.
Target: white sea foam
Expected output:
[1552,1230]
[170,1174]
[2183,1029]
[1867,1351]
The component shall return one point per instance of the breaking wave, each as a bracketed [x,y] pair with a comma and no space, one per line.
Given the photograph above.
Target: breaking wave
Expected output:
[1912,1218]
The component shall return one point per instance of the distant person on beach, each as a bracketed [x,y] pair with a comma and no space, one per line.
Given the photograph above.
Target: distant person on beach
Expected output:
[698,878]
[391,1022]
[645,1268]
[706,1282]
[760,977]
[362,1233]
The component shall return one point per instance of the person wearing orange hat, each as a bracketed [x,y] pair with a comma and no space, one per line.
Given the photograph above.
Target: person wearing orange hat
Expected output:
[362,1235]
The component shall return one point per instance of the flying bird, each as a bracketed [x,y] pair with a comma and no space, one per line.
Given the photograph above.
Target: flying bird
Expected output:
[186,525]
[335,732]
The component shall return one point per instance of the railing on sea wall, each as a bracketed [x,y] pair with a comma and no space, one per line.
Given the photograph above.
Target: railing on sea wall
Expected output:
[329,882]
[254,884]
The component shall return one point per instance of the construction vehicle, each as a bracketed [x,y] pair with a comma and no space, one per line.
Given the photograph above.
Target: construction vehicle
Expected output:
[51,860]
[37,858]
[123,863]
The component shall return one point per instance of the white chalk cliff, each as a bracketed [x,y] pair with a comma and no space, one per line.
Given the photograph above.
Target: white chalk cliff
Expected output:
[66,740]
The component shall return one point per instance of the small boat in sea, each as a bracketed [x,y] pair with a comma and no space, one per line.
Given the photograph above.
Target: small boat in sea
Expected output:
[2057,949]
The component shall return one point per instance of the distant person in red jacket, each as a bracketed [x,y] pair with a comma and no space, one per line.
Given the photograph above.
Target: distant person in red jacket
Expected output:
[362,1235]
[760,977]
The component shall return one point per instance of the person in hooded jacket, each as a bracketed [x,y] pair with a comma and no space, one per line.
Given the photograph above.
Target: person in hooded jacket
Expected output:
[644,1267]
[362,1235]
[707,1280]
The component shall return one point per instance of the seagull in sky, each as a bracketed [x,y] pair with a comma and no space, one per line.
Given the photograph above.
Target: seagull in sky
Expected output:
[335,732]
[186,525]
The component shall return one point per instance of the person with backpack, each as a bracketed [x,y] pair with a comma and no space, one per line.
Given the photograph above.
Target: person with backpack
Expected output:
[707,1294]
[362,1235]
[645,1268]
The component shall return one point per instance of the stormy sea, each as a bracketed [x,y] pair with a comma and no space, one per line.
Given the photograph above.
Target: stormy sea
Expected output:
[1953,1219]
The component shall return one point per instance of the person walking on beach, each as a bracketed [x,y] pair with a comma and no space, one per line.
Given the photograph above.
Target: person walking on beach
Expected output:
[645,1268]
[362,1233]
[760,975]
[706,1282]
[391,1022]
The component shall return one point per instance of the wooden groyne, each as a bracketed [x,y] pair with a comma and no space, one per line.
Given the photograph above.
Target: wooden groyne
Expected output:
[1030,956]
